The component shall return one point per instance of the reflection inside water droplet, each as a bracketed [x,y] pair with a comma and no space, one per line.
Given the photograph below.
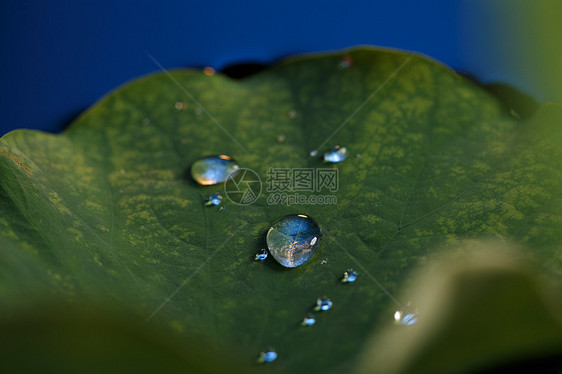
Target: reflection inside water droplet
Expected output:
[293,239]
[213,169]
[336,154]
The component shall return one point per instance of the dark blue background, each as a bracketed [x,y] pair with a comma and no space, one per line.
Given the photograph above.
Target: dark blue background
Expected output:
[59,58]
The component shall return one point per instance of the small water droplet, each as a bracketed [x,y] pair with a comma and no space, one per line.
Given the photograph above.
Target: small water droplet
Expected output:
[309,320]
[349,276]
[281,138]
[346,62]
[293,114]
[214,169]
[268,356]
[323,304]
[324,261]
[358,155]
[261,255]
[180,105]
[214,199]
[199,110]
[209,71]
[146,122]
[406,319]
[336,154]
[293,239]
[313,153]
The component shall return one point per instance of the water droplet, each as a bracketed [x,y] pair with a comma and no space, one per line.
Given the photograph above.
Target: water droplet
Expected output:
[406,319]
[324,261]
[146,121]
[313,153]
[349,276]
[214,169]
[209,71]
[268,356]
[323,304]
[181,105]
[358,155]
[261,255]
[346,62]
[293,239]
[309,320]
[199,110]
[336,154]
[214,199]
[293,114]
[281,138]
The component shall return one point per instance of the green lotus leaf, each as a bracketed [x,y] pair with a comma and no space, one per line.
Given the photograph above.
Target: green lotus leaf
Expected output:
[107,209]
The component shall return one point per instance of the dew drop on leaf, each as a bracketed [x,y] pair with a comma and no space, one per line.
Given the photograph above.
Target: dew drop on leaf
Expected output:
[309,320]
[214,199]
[293,239]
[336,154]
[214,169]
[323,304]
[349,276]
[261,255]
[268,356]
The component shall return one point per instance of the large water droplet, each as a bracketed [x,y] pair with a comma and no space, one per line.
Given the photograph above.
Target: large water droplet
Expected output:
[294,239]
[213,169]
[323,304]
[336,154]
[349,276]
[268,356]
